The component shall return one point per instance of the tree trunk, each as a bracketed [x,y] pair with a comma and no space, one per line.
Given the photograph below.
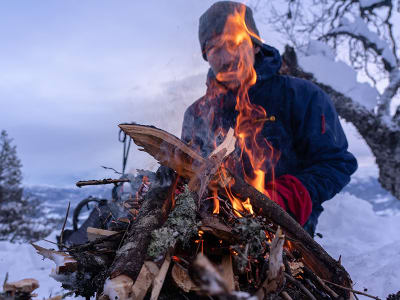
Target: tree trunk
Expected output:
[382,137]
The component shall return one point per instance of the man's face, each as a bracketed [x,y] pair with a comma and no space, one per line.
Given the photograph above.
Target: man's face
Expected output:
[231,62]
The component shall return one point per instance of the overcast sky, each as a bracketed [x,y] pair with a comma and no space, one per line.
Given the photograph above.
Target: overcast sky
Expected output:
[71,71]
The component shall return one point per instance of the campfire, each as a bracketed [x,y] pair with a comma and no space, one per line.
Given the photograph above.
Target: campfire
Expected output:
[214,231]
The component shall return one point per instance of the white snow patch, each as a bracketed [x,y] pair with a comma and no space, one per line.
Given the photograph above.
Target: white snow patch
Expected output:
[319,60]
[21,261]
[369,244]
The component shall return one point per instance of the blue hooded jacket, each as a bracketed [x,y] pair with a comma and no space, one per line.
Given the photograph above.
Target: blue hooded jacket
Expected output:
[306,129]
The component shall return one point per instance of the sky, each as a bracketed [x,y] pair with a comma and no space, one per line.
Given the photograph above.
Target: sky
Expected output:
[71,71]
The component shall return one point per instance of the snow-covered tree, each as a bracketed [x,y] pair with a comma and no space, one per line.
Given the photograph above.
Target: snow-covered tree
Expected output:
[20,217]
[339,43]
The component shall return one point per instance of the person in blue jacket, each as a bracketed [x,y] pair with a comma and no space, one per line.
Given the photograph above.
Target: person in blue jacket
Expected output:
[314,163]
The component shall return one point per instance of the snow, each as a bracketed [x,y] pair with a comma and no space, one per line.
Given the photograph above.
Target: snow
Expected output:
[21,261]
[368,3]
[359,28]
[369,244]
[319,59]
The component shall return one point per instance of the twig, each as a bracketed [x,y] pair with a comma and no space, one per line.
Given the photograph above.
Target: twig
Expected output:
[286,296]
[300,285]
[351,290]
[327,288]
[108,168]
[5,280]
[63,227]
[101,181]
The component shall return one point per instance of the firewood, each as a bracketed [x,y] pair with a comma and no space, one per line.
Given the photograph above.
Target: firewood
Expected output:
[165,147]
[118,288]
[275,278]
[160,277]
[152,215]
[213,226]
[180,227]
[27,285]
[96,233]
[227,272]
[210,281]
[174,153]
[144,280]
[64,263]
[101,181]
[182,279]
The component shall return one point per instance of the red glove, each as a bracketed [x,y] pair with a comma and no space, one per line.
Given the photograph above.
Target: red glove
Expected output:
[292,196]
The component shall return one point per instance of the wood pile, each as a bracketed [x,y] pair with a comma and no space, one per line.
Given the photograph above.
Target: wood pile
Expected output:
[177,248]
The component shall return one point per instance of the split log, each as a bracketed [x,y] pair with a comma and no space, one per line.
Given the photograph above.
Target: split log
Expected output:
[143,282]
[275,278]
[212,283]
[64,263]
[27,285]
[174,153]
[152,215]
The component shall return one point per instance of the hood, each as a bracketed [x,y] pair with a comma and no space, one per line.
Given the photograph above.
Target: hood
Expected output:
[268,62]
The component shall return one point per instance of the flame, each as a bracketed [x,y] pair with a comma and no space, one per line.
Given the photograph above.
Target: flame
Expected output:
[246,204]
[216,202]
[257,156]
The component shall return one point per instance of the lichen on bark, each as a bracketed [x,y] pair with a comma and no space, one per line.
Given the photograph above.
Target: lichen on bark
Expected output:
[181,226]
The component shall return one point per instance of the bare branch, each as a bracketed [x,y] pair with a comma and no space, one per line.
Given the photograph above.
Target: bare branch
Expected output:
[389,93]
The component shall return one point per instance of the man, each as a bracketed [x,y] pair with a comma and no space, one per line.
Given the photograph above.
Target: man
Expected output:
[303,126]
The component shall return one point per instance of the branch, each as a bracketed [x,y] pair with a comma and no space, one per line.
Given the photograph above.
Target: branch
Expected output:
[100,182]
[359,31]
[389,93]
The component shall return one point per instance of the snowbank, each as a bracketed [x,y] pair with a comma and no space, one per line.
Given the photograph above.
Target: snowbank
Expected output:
[319,59]
[369,244]
[21,261]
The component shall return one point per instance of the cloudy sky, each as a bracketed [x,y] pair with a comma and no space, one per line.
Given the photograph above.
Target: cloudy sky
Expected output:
[71,71]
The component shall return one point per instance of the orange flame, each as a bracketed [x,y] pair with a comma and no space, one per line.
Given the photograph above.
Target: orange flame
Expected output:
[256,151]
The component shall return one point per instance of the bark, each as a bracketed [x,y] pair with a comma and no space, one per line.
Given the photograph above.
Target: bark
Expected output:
[383,137]
[151,216]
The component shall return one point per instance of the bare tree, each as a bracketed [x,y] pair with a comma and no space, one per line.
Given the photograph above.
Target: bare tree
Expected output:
[364,34]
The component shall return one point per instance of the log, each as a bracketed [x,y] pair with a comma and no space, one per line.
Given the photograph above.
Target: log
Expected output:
[27,285]
[178,156]
[275,278]
[313,255]
[152,215]
[212,283]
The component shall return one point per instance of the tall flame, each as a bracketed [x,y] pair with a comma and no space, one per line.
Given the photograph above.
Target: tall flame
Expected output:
[256,151]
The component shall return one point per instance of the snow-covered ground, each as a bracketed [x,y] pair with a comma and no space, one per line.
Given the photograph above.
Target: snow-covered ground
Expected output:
[21,261]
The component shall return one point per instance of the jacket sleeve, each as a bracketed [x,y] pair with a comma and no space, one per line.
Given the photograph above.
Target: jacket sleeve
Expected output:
[321,145]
